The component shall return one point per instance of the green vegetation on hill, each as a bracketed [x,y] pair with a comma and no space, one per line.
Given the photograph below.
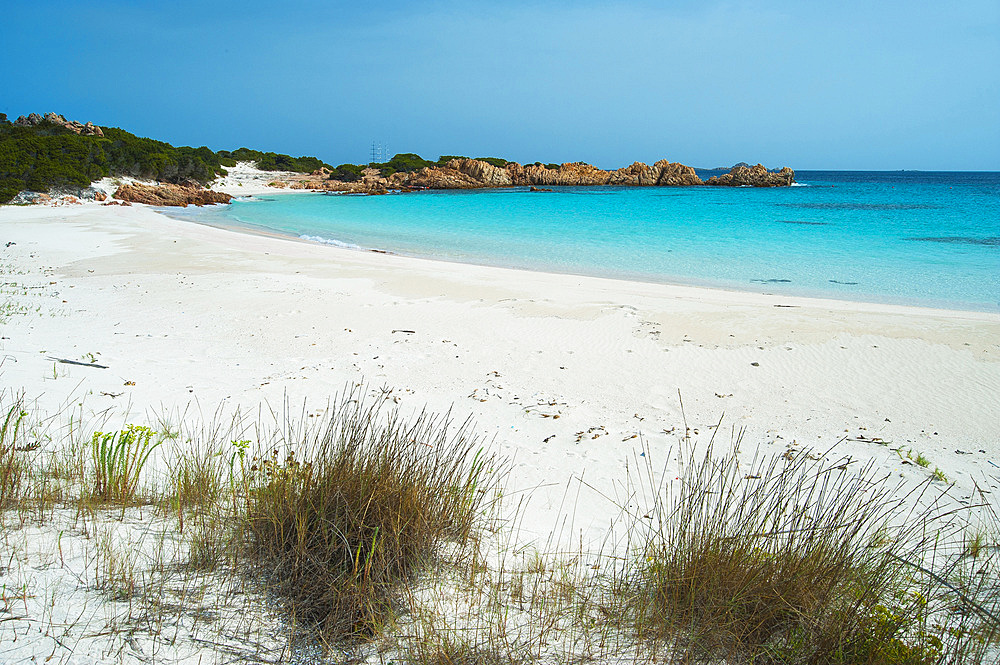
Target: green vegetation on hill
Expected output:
[498,162]
[347,173]
[406,162]
[48,156]
[272,161]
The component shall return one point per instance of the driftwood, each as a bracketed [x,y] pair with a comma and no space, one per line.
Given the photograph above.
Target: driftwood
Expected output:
[76,362]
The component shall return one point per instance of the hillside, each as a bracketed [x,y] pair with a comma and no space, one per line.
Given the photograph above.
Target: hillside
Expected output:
[45,153]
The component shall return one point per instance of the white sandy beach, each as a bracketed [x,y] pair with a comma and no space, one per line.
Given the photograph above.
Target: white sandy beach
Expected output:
[202,316]
[571,377]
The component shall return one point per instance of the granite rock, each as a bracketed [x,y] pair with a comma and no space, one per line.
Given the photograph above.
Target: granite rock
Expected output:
[754,176]
[170,195]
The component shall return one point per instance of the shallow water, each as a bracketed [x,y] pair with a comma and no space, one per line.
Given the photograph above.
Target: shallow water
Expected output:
[919,238]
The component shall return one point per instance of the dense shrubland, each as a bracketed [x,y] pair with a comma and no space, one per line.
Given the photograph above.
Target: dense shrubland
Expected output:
[271,161]
[49,156]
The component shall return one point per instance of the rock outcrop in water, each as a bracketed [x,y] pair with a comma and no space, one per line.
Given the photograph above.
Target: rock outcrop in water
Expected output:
[754,176]
[475,174]
[464,173]
[170,195]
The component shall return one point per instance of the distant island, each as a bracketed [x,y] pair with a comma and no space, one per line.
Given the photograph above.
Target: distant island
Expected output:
[51,154]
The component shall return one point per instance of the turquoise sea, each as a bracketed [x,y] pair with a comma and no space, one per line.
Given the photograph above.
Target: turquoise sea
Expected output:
[920,238]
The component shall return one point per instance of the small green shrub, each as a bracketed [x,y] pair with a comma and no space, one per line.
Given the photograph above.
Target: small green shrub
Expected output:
[406,162]
[119,458]
[14,465]
[347,173]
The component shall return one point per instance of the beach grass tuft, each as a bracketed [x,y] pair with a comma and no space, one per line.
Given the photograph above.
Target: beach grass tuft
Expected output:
[791,561]
[341,517]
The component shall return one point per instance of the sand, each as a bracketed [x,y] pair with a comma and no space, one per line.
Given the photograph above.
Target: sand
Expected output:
[193,314]
[570,377]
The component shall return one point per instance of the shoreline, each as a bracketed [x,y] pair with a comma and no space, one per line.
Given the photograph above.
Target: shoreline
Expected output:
[580,287]
[668,281]
[723,292]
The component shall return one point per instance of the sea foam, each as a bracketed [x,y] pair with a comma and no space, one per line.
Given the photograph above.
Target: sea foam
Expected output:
[330,241]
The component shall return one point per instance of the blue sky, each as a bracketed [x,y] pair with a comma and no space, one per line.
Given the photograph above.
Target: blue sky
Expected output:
[842,85]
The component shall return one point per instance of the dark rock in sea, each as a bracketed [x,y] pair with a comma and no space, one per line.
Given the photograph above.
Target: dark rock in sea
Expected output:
[993,241]
[170,195]
[539,189]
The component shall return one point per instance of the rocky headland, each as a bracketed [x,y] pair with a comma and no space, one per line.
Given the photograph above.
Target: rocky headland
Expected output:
[478,174]
[464,173]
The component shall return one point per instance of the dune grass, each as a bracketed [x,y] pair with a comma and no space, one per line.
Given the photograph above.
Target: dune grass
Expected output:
[341,518]
[789,560]
[374,537]
[14,462]
[118,461]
